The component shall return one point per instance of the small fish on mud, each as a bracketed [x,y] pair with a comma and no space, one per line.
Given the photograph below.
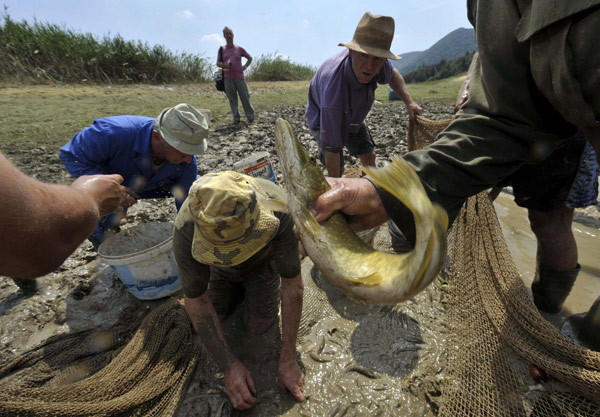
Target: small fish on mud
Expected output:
[357,269]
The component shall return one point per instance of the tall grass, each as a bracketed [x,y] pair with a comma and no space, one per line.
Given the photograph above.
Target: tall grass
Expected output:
[41,52]
[272,67]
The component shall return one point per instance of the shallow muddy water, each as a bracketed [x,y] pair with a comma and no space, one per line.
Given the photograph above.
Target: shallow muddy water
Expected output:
[522,244]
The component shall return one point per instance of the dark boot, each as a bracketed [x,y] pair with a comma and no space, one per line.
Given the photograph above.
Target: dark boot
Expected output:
[28,286]
[551,286]
[587,327]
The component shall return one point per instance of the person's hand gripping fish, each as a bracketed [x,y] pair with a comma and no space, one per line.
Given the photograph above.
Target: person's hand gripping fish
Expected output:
[328,238]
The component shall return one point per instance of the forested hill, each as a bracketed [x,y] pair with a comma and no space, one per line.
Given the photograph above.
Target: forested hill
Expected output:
[454,45]
[442,69]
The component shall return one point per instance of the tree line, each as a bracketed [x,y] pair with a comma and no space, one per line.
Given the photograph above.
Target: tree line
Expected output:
[442,69]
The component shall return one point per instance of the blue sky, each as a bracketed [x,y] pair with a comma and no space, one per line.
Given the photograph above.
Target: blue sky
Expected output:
[305,31]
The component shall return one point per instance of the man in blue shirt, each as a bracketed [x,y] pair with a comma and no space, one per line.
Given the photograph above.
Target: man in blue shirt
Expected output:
[342,93]
[155,157]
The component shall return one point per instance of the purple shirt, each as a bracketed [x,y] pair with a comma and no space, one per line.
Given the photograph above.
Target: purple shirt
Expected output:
[234,54]
[338,103]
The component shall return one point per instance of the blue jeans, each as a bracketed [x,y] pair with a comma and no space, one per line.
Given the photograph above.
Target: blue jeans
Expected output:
[233,87]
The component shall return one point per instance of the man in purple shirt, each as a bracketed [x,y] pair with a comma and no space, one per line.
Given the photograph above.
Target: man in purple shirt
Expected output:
[343,90]
[229,59]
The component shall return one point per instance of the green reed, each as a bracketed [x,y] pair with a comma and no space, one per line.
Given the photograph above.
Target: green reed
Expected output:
[273,67]
[43,52]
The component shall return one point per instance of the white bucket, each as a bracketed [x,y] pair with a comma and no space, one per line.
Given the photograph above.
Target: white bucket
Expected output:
[256,165]
[142,258]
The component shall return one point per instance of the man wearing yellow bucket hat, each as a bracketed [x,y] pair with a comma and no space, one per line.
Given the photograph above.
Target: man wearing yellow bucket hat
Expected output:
[230,247]
[155,157]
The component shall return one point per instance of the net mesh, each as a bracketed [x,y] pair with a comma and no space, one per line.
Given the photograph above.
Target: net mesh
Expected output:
[497,330]
[105,373]
[423,131]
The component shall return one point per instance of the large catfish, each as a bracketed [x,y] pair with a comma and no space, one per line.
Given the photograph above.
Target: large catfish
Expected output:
[343,258]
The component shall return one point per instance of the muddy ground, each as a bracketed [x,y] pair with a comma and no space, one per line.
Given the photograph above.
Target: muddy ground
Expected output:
[359,360]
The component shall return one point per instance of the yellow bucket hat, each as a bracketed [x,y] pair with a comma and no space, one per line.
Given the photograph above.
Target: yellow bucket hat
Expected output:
[231,225]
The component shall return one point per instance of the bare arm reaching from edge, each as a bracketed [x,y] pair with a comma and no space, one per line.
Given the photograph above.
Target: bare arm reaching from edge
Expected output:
[463,93]
[42,224]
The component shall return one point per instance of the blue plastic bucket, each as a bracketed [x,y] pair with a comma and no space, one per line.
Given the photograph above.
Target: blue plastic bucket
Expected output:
[143,260]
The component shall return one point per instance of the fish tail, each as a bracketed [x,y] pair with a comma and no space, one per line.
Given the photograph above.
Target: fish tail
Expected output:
[442,216]
[400,179]
[425,263]
[436,249]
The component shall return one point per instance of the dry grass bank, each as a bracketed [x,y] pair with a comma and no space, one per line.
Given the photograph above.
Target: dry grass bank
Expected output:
[50,115]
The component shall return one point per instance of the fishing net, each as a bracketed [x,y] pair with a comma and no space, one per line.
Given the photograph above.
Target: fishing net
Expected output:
[105,373]
[423,131]
[497,331]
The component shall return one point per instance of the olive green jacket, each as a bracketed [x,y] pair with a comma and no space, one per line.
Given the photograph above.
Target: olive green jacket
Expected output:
[535,82]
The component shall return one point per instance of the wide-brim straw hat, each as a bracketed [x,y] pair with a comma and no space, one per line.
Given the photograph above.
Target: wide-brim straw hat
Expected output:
[230,224]
[184,128]
[373,35]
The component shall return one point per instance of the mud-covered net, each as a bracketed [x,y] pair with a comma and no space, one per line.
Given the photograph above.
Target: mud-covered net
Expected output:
[105,373]
[497,330]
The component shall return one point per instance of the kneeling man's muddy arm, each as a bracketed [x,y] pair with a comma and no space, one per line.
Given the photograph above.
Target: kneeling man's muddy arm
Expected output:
[239,385]
[290,375]
[208,327]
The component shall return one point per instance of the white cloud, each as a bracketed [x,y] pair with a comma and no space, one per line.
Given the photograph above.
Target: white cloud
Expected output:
[185,14]
[304,23]
[282,56]
[213,37]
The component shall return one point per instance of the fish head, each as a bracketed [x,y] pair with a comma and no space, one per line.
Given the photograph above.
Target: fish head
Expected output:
[302,174]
